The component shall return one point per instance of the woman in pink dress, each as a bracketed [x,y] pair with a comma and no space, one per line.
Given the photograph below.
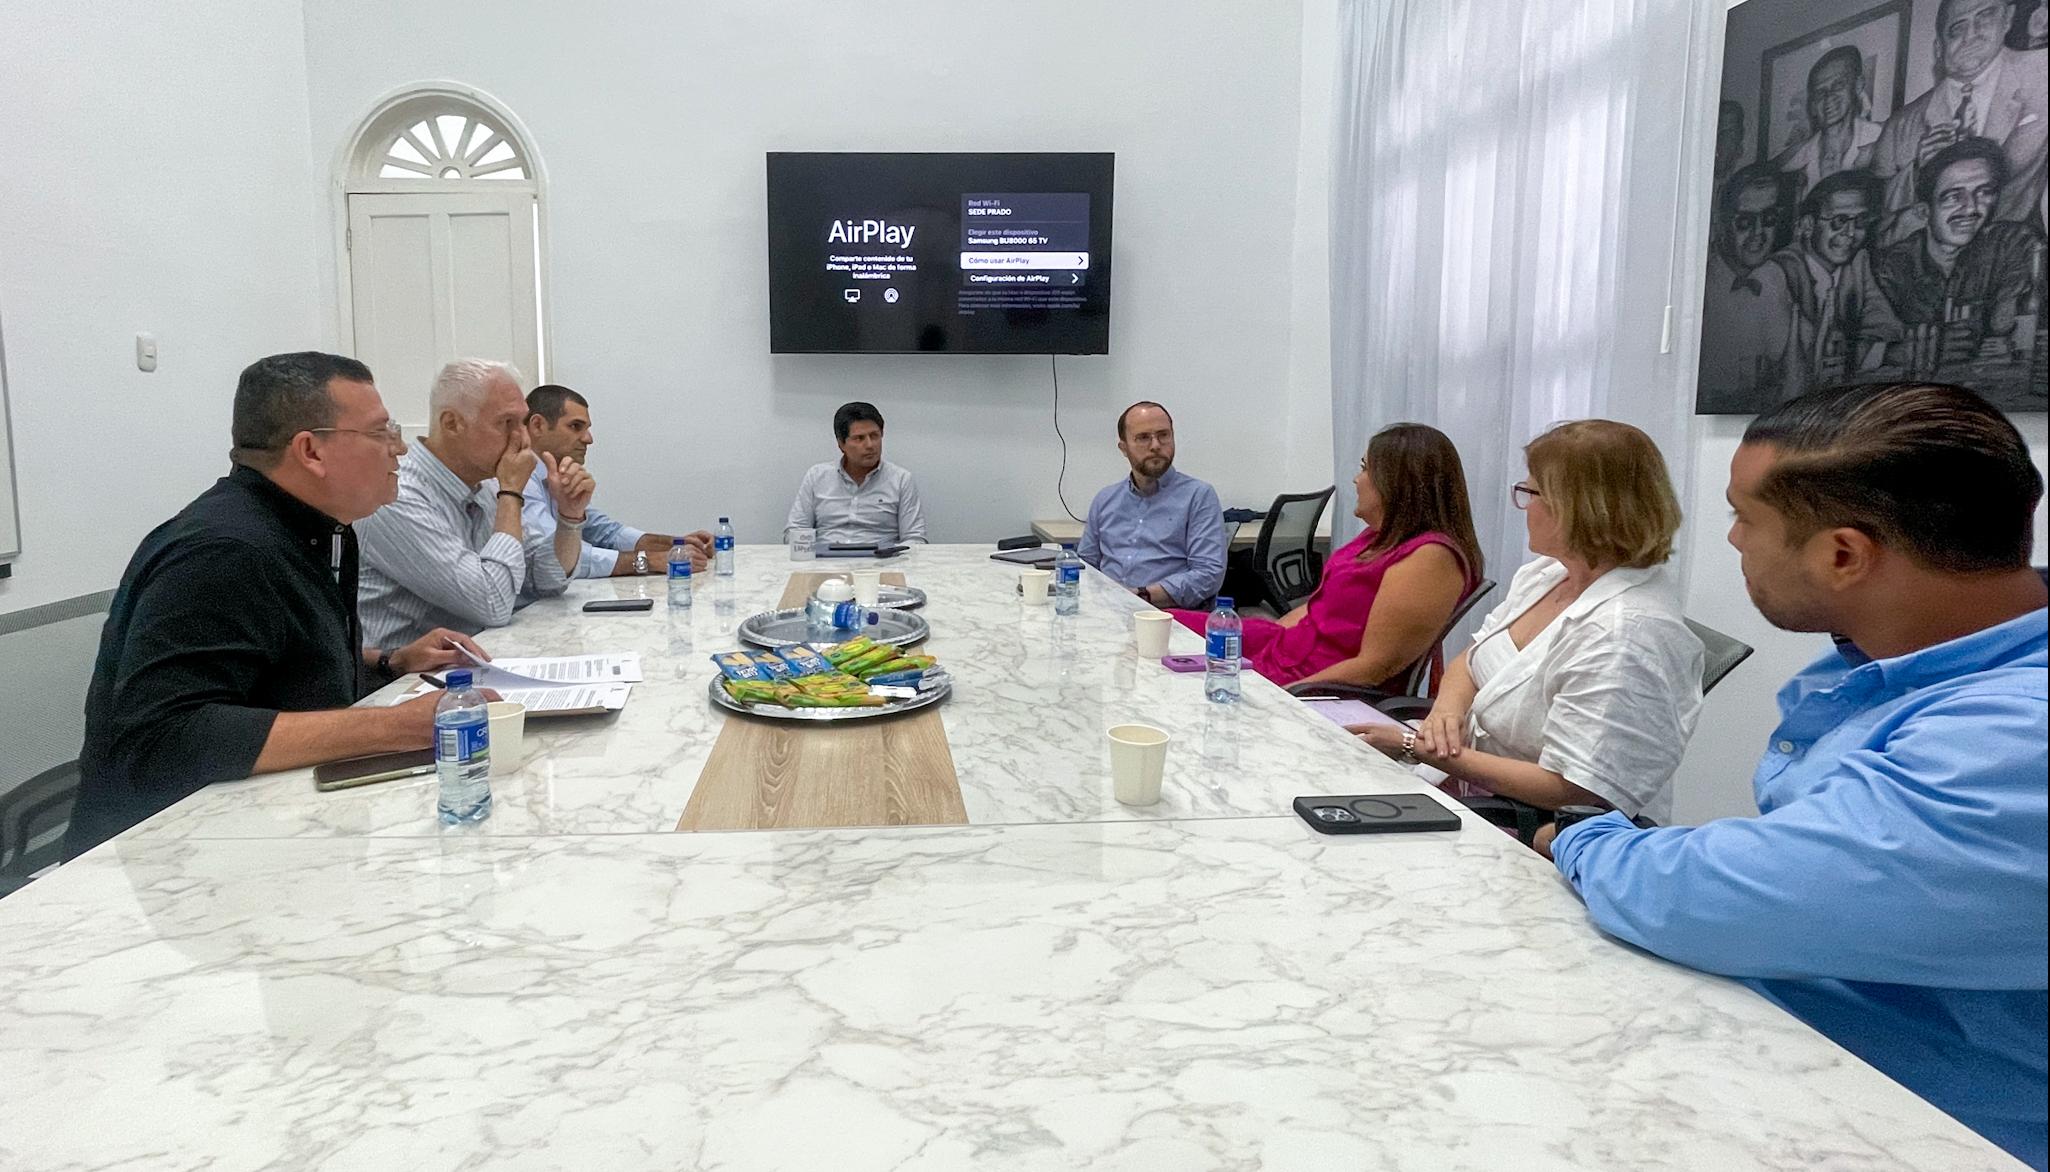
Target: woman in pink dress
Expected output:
[1388,593]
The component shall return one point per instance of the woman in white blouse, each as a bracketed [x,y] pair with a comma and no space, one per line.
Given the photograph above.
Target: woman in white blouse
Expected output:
[1583,686]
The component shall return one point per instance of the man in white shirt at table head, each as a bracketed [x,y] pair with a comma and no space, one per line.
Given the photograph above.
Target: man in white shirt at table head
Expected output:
[861,498]
[452,550]
[559,425]
[1159,532]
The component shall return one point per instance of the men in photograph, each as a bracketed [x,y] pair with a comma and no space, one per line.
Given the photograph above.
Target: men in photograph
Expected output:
[232,646]
[1842,322]
[1843,137]
[1892,891]
[1157,531]
[1986,91]
[860,498]
[559,425]
[1963,275]
[451,551]
[1748,355]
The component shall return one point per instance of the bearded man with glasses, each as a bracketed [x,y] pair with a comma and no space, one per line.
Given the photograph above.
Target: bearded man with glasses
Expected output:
[232,646]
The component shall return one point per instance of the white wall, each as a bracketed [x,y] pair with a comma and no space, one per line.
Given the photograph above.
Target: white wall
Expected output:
[652,120]
[157,180]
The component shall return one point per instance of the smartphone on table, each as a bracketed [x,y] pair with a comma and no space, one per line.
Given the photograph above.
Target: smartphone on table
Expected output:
[375,768]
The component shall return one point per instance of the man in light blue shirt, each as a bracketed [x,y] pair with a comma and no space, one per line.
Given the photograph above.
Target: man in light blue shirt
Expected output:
[1158,531]
[860,498]
[1892,891]
[559,424]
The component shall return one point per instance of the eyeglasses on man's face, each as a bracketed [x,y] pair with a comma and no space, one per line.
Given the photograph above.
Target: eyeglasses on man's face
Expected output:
[1523,494]
[389,433]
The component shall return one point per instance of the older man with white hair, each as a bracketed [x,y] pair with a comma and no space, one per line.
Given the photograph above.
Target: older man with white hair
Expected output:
[451,550]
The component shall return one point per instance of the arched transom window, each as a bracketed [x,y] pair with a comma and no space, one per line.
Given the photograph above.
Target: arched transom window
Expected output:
[451,146]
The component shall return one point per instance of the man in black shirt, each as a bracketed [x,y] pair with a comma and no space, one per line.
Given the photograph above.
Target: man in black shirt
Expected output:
[232,646]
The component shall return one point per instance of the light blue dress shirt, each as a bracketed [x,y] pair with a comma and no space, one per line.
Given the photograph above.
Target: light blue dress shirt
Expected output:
[604,537]
[1892,892]
[1172,537]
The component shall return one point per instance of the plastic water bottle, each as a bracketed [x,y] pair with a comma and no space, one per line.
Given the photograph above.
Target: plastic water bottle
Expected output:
[679,575]
[1222,637]
[1067,580]
[722,548]
[462,752]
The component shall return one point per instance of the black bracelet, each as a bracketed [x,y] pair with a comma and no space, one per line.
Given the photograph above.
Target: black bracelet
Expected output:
[518,496]
[384,666]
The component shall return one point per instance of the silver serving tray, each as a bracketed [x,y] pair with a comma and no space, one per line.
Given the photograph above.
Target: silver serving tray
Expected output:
[717,691]
[781,628]
[899,598]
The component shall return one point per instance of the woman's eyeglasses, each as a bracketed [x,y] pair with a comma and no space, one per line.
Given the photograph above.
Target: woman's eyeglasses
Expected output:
[1522,494]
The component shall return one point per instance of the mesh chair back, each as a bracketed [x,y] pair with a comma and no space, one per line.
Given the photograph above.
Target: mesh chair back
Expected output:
[1724,654]
[1286,555]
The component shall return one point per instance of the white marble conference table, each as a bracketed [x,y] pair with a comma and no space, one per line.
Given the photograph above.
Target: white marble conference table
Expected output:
[264,979]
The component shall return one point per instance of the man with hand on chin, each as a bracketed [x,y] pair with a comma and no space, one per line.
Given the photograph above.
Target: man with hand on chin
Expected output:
[559,425]
[1159,531]
[452,551]
[232,646]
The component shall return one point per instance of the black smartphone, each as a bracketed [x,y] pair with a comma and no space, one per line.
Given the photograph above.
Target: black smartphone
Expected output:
[613,604]
[1376,814]
[890,551]
[364,770]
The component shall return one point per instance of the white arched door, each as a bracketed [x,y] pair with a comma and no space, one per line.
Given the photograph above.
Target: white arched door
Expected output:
[442,246]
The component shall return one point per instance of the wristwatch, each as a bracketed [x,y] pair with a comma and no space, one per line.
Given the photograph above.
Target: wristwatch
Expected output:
[384,666]
[1409,756]
[640,561]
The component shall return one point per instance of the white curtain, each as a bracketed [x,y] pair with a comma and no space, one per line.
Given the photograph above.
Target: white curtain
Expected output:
[1506,227]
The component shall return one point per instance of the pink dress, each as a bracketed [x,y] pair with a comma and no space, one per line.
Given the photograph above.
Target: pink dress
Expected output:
[1330,630]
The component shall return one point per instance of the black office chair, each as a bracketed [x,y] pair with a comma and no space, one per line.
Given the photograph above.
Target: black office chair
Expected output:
[1523,819]
[1285,558]
[1417,680]
[37,808]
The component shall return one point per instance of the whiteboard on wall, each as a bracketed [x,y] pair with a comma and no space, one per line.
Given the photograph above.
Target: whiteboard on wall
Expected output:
[10,517]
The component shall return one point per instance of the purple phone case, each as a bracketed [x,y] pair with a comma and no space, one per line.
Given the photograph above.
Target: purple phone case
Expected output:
[1194,663]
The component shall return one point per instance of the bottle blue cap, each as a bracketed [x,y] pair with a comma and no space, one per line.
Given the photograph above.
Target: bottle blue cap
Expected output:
[723,520]
[457,680]
[1067,545]
[675,542]
[1224,602]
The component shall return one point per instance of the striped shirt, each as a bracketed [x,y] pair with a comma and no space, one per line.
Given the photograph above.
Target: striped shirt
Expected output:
[884,509]
[432,559]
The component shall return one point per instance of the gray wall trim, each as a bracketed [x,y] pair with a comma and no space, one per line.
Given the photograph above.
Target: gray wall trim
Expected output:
[55,612]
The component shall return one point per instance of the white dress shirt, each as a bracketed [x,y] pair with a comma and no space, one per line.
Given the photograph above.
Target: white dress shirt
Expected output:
[1606,695]
[432,559]
[883,509]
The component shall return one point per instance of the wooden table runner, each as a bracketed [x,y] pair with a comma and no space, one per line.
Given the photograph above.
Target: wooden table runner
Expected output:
[767,774]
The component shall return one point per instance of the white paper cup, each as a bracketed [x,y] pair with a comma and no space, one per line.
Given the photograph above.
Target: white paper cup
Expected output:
[1150,629]
[1034,585]
[1138,757]
[868,586]
[508,735]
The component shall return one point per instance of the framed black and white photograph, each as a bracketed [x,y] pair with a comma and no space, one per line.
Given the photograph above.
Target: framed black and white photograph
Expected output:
[1879,35]
[1878,208]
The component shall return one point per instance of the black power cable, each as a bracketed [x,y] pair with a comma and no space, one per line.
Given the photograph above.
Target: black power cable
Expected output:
[1059,487]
